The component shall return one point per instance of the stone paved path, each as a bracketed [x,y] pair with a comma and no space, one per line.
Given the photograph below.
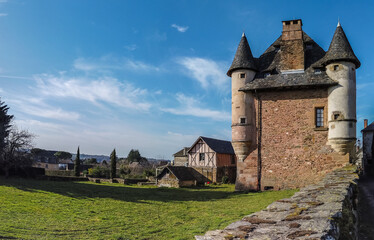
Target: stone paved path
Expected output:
[366,208]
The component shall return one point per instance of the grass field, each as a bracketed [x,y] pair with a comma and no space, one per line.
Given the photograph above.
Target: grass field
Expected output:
[31,209]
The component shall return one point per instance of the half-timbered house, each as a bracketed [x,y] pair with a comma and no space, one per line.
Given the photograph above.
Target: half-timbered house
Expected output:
[213,158]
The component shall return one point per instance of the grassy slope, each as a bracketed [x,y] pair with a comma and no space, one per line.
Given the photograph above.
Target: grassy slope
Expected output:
[31,209]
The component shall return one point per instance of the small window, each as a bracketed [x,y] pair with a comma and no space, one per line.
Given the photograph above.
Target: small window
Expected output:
[266,74]
[308,46]
[202,157]
[242,75]
[317,71]
[243,120]
[336,116]
[319,117]
[276,48]
[232,159]
[336,67]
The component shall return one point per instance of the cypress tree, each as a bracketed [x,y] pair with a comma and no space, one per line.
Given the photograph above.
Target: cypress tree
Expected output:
[113,163]
[77,164]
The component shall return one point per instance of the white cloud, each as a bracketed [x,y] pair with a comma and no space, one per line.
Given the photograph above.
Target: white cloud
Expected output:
[131,47]
[3,14]
[111,63]
[104,89]
[190,106]
[207,72]
[180,28]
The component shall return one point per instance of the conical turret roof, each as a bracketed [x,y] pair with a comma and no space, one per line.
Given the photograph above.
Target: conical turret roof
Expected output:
[243,58]
[340,49]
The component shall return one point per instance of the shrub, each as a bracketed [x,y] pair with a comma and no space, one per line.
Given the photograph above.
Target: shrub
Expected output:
[99,172]
[59,173]
[225,179]
[148,173]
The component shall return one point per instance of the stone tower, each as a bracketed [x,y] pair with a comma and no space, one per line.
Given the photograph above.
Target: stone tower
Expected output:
[242,71]
[341,64]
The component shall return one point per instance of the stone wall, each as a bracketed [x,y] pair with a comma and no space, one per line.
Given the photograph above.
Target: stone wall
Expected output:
[294,153]
[326,210]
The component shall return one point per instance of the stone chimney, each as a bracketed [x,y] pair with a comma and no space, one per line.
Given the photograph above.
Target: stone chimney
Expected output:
[365,123]
[292,46]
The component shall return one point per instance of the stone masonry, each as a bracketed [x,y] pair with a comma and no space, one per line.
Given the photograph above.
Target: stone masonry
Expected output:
[327,210]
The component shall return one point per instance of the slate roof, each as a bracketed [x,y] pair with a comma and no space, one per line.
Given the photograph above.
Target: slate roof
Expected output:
[243,57]
[368,128]
[180,172]
[219,146]
[340,49]
[315,58]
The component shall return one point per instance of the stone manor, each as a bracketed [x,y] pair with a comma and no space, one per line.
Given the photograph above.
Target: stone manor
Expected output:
[293,109]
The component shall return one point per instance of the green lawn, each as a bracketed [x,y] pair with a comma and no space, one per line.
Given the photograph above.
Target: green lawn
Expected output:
[31,209]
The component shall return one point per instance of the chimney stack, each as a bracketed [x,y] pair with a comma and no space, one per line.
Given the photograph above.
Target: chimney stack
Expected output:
[292,46]
[365,123]
[292,30]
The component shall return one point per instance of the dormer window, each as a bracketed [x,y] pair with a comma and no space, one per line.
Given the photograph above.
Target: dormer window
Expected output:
[242,75]
[276,48]
[317,71]
[336,67]
[266,74]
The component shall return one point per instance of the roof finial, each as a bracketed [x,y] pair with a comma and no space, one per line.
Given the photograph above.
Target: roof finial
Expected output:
[243,35]
[338,22]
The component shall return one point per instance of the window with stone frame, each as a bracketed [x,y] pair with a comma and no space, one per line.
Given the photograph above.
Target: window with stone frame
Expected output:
[201,156]
[319,117]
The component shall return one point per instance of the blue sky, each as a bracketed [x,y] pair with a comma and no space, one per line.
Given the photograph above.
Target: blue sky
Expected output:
[149,75]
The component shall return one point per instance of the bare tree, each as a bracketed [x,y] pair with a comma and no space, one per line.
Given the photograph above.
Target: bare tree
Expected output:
[14,154]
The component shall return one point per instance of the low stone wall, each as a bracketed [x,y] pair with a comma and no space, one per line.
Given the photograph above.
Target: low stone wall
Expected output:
[322,211]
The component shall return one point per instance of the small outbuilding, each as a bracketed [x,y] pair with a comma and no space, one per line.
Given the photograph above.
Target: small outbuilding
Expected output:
[368,148]
[179,176]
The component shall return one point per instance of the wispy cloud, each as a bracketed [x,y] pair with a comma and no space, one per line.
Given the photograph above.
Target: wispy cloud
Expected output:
[112,63]
[37,107]
[206,71]
[190,106]
[3,14]
[179,28]
[103,89]
[131,47]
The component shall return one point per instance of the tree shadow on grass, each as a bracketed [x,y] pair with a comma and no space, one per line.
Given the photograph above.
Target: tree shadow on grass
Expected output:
[117,191]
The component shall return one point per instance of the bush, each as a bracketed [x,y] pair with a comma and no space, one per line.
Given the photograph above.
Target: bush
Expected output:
[149,173]
[99,172]
[225,179]
[59,173]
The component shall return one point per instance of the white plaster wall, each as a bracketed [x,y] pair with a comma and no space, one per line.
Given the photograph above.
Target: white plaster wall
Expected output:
[342,98]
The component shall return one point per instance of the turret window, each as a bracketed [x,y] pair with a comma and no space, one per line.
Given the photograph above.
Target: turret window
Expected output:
[242,75]
[319,117]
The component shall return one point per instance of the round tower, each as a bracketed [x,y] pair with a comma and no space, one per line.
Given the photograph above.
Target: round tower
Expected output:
[242,71]
[341,64]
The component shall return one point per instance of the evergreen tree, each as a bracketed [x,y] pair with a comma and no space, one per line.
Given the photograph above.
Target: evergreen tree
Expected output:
[5,124]
[77,164]
[113,163]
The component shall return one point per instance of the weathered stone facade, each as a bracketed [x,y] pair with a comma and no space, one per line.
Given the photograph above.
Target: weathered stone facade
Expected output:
[294,152]
[293,110]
